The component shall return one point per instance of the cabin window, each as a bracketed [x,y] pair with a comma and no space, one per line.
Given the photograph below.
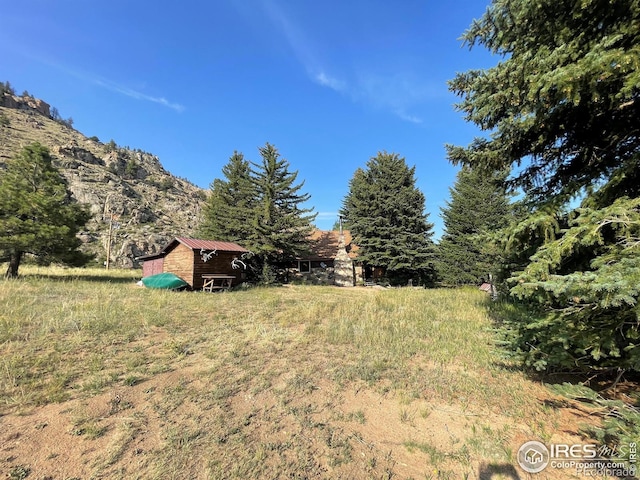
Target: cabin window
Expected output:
[304,266]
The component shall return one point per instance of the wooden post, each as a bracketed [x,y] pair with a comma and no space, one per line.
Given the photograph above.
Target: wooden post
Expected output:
[109,241]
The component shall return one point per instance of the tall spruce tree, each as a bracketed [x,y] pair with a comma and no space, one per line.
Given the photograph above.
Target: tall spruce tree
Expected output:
[467,252]
[385,213]
[260,206]
[37,213]
[230,209]
[563,106]
[281,224]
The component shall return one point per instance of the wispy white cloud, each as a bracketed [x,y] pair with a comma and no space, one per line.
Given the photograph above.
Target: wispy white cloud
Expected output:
[302,47]
[297,40]
[129,92]
[398,93]
[331,82]
[408,117]
[112,86]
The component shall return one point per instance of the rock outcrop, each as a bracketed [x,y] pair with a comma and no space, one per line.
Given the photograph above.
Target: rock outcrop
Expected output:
[25,103]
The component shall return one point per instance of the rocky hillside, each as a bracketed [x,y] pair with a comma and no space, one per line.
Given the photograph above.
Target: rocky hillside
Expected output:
[129,189]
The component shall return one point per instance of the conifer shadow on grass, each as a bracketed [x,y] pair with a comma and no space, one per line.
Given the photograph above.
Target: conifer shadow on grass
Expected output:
[92,278]
[68,274]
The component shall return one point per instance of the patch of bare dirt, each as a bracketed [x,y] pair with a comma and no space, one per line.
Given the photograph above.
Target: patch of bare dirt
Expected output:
[278,419]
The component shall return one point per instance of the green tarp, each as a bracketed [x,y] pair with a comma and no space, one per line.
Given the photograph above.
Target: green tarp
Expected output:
[168,281]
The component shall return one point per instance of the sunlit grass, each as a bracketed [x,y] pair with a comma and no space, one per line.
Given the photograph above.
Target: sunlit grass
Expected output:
[62,330]
[73,334]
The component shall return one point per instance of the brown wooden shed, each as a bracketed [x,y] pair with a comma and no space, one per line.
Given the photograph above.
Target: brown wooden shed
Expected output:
[190,258]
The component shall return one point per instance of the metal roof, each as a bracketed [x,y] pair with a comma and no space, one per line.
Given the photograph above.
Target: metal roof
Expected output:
[324,245]
[195,244]
[198,244]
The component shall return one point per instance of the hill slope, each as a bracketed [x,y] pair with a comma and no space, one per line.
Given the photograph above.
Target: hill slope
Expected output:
[145,204]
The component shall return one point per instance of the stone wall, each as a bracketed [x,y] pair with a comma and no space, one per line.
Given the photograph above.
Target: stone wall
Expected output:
[343,266]
[317,276]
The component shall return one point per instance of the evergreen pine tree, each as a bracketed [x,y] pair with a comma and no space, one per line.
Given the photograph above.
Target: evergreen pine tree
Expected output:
[281,224]
[478,208]
[37,214]
[385,213]
[230,209]
[261,209]
[564,107]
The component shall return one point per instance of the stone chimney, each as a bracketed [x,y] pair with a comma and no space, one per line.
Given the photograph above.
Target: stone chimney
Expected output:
[343,265]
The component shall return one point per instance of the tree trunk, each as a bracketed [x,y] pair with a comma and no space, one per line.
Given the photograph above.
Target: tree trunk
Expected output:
[14,264]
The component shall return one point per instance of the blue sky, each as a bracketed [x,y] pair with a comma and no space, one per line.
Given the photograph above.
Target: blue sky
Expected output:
[329,83]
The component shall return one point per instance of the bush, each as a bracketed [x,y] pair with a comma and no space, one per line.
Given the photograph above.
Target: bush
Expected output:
[5,87]
[131,168]
[68,122]
[111,146]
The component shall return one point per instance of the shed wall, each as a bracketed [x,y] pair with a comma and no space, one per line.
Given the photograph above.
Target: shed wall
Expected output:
[152,267]
[180,262]
[218,264]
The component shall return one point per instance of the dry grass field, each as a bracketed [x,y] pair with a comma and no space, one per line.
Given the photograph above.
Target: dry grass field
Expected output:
[102,379]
